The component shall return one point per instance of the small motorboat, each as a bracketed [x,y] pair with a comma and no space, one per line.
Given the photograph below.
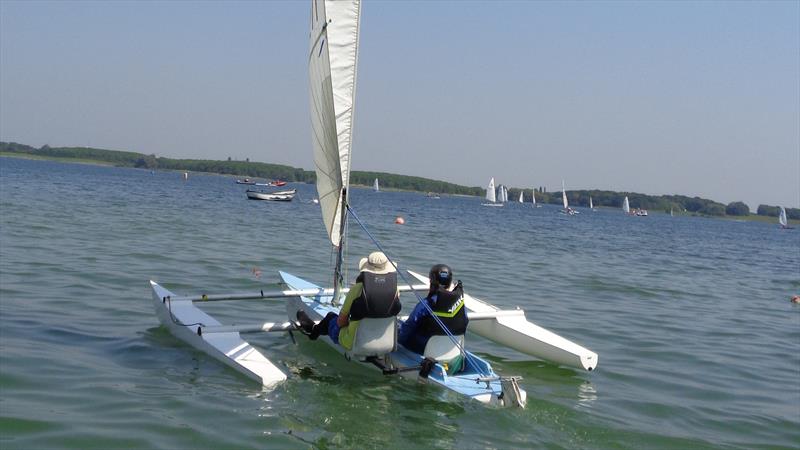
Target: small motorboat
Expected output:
[278,196]
[246,181]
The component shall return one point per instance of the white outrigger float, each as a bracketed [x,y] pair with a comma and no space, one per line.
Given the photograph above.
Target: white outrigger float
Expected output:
[332,66]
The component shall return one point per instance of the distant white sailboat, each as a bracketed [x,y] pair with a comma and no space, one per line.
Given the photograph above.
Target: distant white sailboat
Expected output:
[626,206]
[491,197]
[782,220]
[520,196]
[375,186]
[533,196]
[502,194]
[567,209]
[591,205]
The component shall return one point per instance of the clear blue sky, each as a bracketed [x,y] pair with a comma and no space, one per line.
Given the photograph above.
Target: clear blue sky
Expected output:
[695,98]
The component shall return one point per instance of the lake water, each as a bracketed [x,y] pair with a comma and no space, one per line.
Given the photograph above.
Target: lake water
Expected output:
[699,345]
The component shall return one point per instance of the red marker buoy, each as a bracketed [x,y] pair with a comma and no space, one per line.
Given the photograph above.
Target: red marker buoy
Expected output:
[399,220]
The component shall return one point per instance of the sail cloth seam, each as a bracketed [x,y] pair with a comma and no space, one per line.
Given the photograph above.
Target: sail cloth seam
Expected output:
[419,298]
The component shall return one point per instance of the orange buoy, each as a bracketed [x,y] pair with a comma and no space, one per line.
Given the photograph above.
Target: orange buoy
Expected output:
[399,220]
[796,299]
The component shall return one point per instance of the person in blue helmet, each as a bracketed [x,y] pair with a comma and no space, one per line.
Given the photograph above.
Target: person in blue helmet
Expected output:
[446,300]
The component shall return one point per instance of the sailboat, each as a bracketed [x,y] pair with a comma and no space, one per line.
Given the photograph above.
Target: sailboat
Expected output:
[502,194]
[332,66]
[782,220]
[626,206]
[491,196]
[375,186]
[520,196]
[533,197]
[567,210]
[591,206]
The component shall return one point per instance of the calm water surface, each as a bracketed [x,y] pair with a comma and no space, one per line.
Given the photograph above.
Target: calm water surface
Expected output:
[698,342]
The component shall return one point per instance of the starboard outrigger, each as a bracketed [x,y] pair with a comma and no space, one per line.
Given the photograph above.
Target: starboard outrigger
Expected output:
[333,58]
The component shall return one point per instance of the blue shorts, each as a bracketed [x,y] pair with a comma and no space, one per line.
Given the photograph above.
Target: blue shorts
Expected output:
[333,329]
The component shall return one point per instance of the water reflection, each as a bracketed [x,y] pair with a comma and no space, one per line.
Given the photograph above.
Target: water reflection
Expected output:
[586,395]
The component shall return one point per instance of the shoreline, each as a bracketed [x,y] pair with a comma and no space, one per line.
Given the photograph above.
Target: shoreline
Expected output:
[751,218]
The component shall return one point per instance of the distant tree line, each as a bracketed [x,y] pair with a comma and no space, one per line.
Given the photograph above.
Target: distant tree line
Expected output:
[666,203]
[240,168]
[774,211]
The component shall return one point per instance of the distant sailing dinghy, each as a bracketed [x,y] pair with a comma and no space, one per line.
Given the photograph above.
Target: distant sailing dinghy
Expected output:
[591,206]
[332,66]
[567,210]
[783,220]
[533,197]
[491,197]
[520,196]
[375,186]
[626,206]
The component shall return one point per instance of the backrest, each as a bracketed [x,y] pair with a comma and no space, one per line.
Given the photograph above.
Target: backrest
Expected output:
[442,349]
[375,337]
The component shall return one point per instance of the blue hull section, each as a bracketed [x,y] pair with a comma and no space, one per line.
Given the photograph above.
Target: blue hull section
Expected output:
[465,382]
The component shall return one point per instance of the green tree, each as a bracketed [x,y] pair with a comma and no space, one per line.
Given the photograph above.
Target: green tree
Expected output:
[766,210]
[737,209]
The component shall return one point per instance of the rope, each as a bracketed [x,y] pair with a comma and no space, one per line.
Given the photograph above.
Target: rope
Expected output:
[174,319]
[419,298]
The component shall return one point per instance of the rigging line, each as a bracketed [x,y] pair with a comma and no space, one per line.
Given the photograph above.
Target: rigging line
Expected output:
[419,298]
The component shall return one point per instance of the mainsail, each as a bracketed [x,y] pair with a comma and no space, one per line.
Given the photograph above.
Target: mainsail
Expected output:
[591,206]
[490,194]
[626,205]
[375,186]
[332,60]
[533,195]
[564,196]
[520,196]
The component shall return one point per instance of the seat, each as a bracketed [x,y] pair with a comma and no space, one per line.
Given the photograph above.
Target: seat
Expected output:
[442,348]
[375,337]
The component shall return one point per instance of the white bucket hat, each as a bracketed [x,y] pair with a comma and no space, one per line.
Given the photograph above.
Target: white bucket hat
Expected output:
[376,263]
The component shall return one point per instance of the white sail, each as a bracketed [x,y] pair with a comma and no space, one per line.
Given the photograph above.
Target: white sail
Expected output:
[533,196]
[782,218]
[564,196]
[490,194]
[591,206]
[520,196]
[332,60]
[502,196]
[375,187]
[626,206]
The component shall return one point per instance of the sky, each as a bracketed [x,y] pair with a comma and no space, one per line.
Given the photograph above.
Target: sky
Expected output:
[691,98]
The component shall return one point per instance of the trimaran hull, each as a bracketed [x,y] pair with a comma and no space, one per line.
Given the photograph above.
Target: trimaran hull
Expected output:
[464,383]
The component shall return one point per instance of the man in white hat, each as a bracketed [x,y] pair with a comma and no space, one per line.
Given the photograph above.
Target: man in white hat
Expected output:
[374,295]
